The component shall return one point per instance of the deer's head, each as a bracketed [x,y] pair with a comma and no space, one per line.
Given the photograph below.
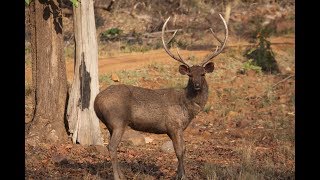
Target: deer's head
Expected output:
[196,73]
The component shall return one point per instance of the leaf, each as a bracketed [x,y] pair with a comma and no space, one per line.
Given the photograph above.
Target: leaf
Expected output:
[75,3]
[27,1]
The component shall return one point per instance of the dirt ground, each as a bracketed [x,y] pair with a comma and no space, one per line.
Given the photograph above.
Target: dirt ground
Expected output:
[245,132]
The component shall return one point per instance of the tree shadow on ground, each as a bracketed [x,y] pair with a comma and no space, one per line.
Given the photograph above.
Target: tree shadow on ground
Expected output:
[104,169]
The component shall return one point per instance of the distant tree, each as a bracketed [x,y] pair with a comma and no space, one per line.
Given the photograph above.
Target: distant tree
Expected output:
[48,72]
[82,120]
[229,4]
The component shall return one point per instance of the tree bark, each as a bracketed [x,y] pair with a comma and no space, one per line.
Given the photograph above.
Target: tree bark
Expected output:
[227,11]
[82,120]
[48,73]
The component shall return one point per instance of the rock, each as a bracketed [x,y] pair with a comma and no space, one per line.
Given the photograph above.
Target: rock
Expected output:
[133,138]
[167,147]
[148,139]
[288,69]
[115,77]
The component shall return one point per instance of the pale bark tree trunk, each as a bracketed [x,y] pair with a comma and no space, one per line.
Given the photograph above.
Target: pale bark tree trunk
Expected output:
[227,11]
[228,8]
[48,73]
[83,122]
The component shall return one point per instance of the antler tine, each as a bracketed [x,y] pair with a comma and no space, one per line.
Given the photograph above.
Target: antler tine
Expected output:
[179,54]
[217,52]
[216,49]
[165,45]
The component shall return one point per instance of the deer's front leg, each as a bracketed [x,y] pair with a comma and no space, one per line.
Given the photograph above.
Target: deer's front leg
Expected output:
[179,147]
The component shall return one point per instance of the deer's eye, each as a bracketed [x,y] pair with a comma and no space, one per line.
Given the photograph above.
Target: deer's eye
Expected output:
[203,74]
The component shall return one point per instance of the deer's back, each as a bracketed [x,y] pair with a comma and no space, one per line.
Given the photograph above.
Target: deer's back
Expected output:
[143,109]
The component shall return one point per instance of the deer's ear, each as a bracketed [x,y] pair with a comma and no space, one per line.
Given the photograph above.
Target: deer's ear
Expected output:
[183,69]
[209,67]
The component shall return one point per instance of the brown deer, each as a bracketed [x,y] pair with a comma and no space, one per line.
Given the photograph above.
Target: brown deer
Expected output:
[160,111]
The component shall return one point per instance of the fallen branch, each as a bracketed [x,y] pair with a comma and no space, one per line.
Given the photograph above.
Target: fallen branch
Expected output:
[156,34]
[282,81]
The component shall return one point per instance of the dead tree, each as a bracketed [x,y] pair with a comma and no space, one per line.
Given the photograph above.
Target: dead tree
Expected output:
[83,122]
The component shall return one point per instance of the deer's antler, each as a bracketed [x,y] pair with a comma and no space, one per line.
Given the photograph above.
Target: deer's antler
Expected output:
[223,43]
[178,58]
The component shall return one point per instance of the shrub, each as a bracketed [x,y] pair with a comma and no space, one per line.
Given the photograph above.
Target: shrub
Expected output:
[250,65]
[262,54]
[110,34]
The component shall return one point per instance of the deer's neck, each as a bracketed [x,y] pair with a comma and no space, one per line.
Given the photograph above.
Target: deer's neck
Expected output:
[196,99]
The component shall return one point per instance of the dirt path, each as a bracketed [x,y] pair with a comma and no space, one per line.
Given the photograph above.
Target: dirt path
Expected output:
[125,61]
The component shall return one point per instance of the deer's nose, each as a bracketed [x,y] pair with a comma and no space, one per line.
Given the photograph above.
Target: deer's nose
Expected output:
[197,86]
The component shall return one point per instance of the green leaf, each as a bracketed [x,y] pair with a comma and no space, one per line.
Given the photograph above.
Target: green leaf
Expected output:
[75,3]
[27,1]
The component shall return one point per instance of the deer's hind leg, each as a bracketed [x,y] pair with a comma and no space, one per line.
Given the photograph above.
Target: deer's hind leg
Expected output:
[115,139]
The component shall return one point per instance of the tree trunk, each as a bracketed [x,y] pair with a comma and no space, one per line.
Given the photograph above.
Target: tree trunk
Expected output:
[227,11]
[48,73]
[83,122]
[228,8]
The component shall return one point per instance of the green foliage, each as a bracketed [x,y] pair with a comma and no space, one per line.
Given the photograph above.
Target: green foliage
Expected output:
[112,32]
[250,65]
[262,54]
[27,2]
[75,3]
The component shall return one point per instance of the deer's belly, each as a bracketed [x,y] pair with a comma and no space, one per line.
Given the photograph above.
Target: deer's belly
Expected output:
[155,118]
[148,118]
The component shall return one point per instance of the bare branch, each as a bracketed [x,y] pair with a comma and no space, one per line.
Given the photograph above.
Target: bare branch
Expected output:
[174,34]
[215,36]
[282,81]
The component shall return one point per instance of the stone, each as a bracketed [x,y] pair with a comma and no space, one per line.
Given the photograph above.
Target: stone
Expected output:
[115,77]
[133,138]
[148,139]
[167,147]
[288,69]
